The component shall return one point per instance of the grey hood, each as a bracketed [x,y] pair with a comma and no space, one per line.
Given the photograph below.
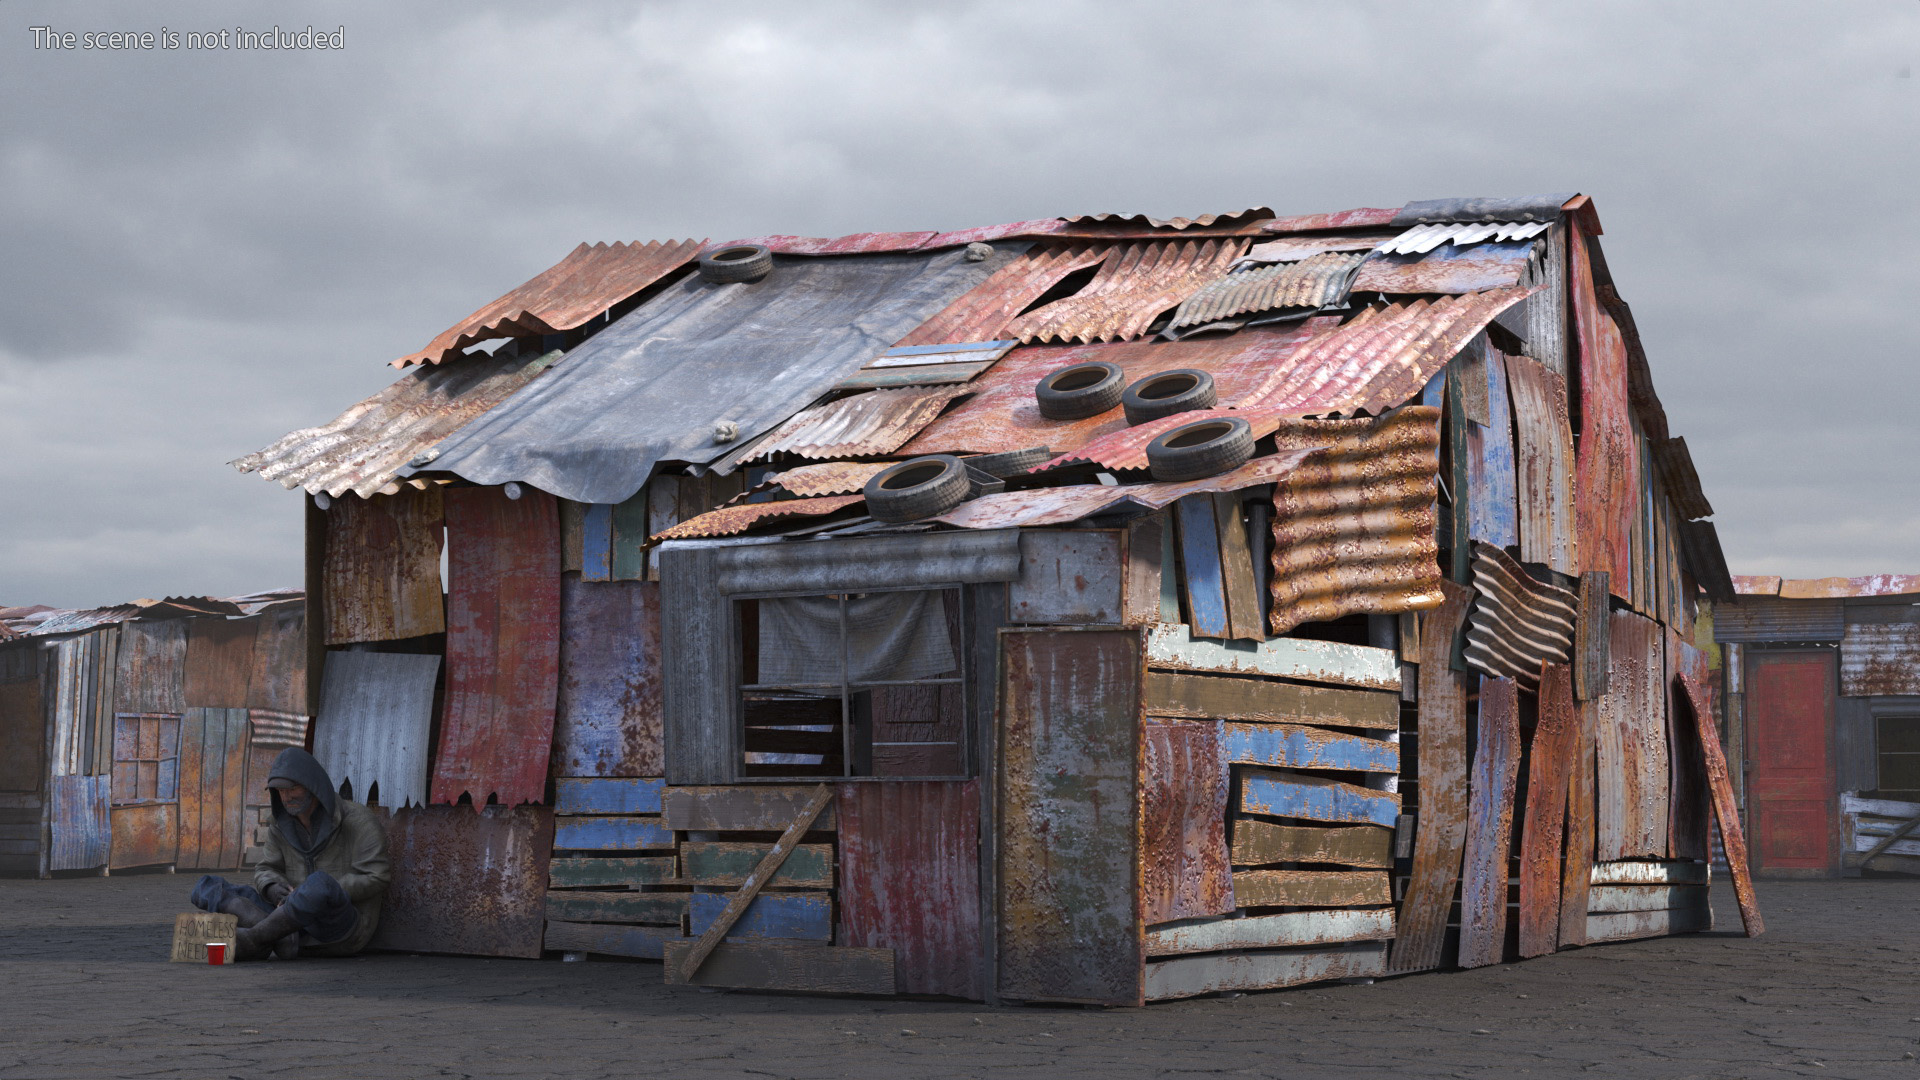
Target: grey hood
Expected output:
[302,768]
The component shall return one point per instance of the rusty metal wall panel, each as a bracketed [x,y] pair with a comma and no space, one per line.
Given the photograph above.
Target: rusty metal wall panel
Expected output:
[23,735]
[608,722]
[152,667]
[1688,801]
[375,724]
[910,881]
[580,287]
[81,834]
[1446,270]
[1607,478]
[1483,878]
[219,670]
[1361,218]
[1314,282]
[278,681]
[1440,834]
[1185,872]
[81,709]
[861,425]
[382,572]
[1549,761]
[362,450]
[1632,769]
[503,646]
[1518,623]
[212,787]
[1492,501]
[984,311]
[1544,457]
[1133,286]
[1353,525]
[143,835]
[467,880]
[1068,906]
[1880,658]
[1067,576]
[1576,875]
[1765,619]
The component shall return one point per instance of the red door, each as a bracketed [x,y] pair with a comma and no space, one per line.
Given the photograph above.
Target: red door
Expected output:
[1790,700]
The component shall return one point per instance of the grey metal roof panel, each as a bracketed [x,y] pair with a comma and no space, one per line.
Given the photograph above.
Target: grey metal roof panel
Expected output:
[653,386]
[1523,208]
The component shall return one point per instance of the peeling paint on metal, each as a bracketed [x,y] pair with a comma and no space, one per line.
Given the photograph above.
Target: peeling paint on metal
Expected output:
[1171,647]
[1632,770]
[910,880]
[1483,877]
[609,718]
[1517,623]
[1880,658]
[1184,869]
[1608,470]
[1440,836]
[1544,457]
[1447,271]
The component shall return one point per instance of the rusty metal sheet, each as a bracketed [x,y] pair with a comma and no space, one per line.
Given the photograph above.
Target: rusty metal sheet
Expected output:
[152,667]
[1726,811]
[1880,658]
[910,881]
[1549,760]
[987,234]
[81,835]
[859,425]
[1758,584]
[213,778]
[1544,458]
[1675,463]
[1133,286]
[851,244]
[1849,588]
[1483,878]
[1576,874]
[732,520]
[361,450]
[1492,500]
[1184,868]
[1688,801]
[279,677]
[1450,270]
[1057,506]
[81,711]
[609,718]
[467,880]
[1067,576]
[219,669]
[1518,623]
[1235,217]
[375,725]
[1607,479]
[1127,447]
[580,287]
[143,835]
[1313,282]
[1353,525]
[1440,834]
[830,478]
[1364,217]
[271,727]
[1069,920]
[381,574]
[1766,619]
[503,646]
[981,313]
[1295,248]
[1632,770]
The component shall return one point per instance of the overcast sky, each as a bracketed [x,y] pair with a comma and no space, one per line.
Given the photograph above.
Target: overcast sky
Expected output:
[204,250]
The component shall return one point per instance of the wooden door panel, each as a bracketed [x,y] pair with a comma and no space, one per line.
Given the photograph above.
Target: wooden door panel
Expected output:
[1790,701]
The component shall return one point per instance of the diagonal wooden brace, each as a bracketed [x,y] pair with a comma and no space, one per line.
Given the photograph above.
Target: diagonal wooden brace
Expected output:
[750,888]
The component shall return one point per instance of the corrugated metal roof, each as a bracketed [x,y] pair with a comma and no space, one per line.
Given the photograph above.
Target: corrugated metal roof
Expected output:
[733,520]
[654,385]
[1701,556]
[1424,238]
[42,621]
[1060,505]
[829,478]
[1313,282]
[591,279]
[1880,658]
[1757,585]
[860,425]
[1447,271]
[1354,523]
[1522,208]
[1683,482]
[1342,219]
[1517,623]
[853,244]
[1133,286]
[362,449]
[985,310]
[1294,248]
[1764,618]
[1258,213]
[1853,587]
[1127,447]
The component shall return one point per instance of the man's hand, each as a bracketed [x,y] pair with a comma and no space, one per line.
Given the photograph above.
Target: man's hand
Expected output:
[277,893]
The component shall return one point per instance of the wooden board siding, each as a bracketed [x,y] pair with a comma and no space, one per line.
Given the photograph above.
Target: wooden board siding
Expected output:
[1726,812]
[1441,830]
[1295,928]
[219,667]
[1483,878]
[1311,888]
[607,795]
[1298,747]
[810,866]
[381,569]
[910,880]
[1629,925]
[661,908]
[1315,798]
[1543,825]
[1632,770]
[635,833]
[213,768]
[803,916]
[1246,615]
[743,808]
[1200,569]
[608,939]
[1184,873]
[1191,976]
[1219,697]
[1260,843]
[801,966]
[595,873]
[608,720]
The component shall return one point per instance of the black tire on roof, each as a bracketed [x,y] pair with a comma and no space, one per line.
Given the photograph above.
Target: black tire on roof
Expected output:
[1169,392]
[915,489]
[1080,391]
[1201,449]
[738,263]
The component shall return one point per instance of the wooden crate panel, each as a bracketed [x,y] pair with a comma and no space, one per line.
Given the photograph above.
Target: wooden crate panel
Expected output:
[611,834]
[1259,843]
[781,965]
[1298,747]
[617,907]
[810,865]
[1310,888]
[1628,925]
[645,942]
[797,916]
[747,808]
[1315,798]
[1617,898]
[612,795]
[1191,976]
[1649,873]
[580,873]
[1223,697]
[1295,928]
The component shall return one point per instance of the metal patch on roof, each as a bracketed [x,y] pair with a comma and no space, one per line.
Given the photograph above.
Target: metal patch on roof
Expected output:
[1133,286]
[860,425]
[1449,270]
[1517,623]
[983,312]
[361,449]
[591,279]
[1757,584]
[1258,213]
[828,478]
[1295,248]
[1059,505]
[1871,585]
[1360,218]
[1880,658]
[733,520]
[1313,282]
[854,244]
[1424,238]
[927,365]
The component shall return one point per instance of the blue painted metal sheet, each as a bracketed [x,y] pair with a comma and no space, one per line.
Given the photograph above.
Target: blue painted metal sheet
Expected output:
[609,795]
[1315,798]
[608,717]
[1299,747]
[1492,509]
[1200,567]
[803,916]
[81,834]
[596,542]
[611,834]
[630,538]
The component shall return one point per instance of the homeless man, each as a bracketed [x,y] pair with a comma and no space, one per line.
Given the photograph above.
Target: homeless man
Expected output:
[323,877]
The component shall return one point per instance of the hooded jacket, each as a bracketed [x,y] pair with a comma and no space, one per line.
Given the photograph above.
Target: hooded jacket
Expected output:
[347,841]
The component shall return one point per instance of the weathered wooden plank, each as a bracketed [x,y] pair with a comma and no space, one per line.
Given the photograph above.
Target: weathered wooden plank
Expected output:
[746,808]
[1140,593]
[1299,747]
[1191,976]
[1649,873]
[1200,569]
[1851,803]
[608,939]
[1726,812]
[617,907]
[611,834]
[1258,843]
[1577,869]
[1645,897]
[1628,925]
[1441,834]
[1311,888]
[1217,697]
[1295,928]
[910,878]
[796,916]
[629,552]
[1483,881]
[1866,842]
[1632,768]
[810,865]
[1175,648]
[1315,798]
[579,873]
[765,869]
[1245,618]
[781,965]
[1591,645]
[1543,824]
[609,795]
[1184,872]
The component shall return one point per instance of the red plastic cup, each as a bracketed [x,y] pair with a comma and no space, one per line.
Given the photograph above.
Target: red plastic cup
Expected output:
[216,952]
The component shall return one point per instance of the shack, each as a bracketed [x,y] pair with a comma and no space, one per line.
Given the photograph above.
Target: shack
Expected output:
[140,734]
[1822,681]
[1099,609]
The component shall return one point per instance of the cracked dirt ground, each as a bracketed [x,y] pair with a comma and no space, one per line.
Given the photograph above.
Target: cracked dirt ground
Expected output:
[1830,991]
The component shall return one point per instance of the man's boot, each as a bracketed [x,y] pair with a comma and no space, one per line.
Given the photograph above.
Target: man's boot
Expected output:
[243,909]
[278,931]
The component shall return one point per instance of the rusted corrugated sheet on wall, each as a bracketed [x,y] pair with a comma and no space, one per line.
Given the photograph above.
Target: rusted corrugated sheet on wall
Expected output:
[382,573]
[219,662]
[279,678]
[1184,869]
[468,880]
[152,667]
[862,425]
[910,880]
[1135,284]
[984,311]
[213,777]
[376,723]
[1353,526]
[1069,916]
[591,279]
[503,646]
[1517,623]
[609,718]
[1630,815]
[1881,658]
[1607,473]
[1544,457]
[1440,836]
[80,832]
